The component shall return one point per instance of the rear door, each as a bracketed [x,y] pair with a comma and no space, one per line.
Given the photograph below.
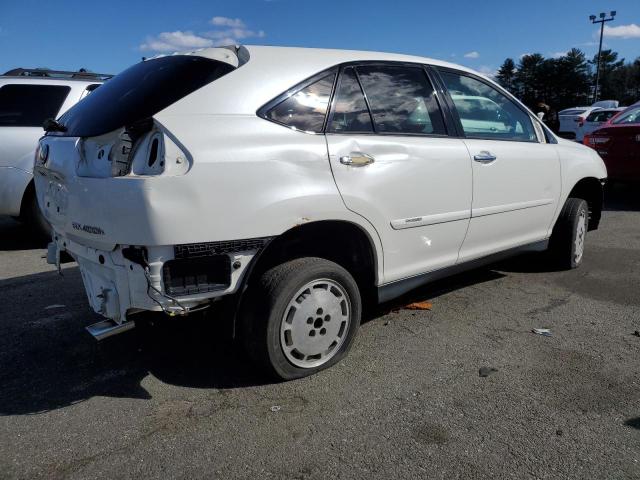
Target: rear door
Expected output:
[516,177]
[395,165]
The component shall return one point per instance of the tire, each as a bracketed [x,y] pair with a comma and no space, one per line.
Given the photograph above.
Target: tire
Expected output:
[35,220]
[300,317]
[569,234]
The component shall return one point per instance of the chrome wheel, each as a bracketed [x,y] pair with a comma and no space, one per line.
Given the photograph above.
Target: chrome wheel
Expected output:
[581,231]
[315,323]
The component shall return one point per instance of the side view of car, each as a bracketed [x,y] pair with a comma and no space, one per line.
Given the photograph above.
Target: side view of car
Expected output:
[571,118]
[298,185]
[27,98]
[618,143]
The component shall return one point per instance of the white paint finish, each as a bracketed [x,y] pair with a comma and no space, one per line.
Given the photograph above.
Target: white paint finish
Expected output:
[411,177]
[18,144]
[514,197]
[246,177]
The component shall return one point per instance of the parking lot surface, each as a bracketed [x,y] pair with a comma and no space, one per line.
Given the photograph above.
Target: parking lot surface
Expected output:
[179,400]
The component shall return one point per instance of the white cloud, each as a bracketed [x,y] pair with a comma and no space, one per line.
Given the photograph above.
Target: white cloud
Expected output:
[227,22]
[173,41]
[229,31]
[622,31]
[558,54]
[473,54]
[488,71]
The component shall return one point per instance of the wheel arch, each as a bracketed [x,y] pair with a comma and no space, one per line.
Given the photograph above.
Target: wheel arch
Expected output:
[591,190]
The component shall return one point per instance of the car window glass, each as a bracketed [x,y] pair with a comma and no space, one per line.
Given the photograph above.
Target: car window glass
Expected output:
[305,110]
[485,112]
[30,105]
[350,112]
[401,100]
[630,116]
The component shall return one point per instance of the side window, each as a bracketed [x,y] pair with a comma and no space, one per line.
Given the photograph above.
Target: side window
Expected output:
[485,112]
[305,110]
[30,105]
[401,100]
[350,112]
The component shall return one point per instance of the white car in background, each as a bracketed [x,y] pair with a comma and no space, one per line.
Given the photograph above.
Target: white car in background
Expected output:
[27,98]
[595,120]
[297,184]
[571,119]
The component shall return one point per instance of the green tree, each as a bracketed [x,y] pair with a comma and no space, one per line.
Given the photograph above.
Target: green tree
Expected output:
[609,66]
[528,78]
[573,80]
[507,74]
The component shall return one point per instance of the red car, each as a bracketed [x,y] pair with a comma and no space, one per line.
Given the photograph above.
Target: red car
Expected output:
[618,143]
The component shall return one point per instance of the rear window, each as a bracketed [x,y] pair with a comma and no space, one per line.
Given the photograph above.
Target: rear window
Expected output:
[574,111]
[601,116]
[140,92]
[30,105]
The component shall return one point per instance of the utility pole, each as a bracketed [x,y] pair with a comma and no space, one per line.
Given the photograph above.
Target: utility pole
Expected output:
[602,21]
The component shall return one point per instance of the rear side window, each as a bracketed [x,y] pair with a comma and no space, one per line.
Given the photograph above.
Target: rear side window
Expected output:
[140,92]
[487,113]
[30,105]
[401,100]
[306,109]
[350,112]
[600,116]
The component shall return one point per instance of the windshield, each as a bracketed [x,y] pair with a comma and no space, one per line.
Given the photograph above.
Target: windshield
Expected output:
[140,92]
[630,116]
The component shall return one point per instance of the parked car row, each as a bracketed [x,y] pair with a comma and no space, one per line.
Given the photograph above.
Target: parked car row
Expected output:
[618,143]
[575,122]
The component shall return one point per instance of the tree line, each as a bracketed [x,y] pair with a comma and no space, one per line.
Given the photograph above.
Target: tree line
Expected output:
[569,80]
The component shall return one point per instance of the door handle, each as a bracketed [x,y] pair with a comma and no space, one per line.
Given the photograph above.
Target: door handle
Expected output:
[485,157]
[357,159]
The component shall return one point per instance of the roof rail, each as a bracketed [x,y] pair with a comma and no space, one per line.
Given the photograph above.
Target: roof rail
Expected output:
[81,74]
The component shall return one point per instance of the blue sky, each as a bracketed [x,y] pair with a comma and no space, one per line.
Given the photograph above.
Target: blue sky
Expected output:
[108,36]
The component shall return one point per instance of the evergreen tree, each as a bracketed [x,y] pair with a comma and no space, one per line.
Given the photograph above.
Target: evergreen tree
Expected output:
[506,74]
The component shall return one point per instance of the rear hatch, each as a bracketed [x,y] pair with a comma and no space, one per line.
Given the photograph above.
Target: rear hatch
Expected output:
[94,161]
[569,119]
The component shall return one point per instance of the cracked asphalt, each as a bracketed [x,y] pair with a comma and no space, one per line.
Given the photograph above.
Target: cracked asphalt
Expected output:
[177,399]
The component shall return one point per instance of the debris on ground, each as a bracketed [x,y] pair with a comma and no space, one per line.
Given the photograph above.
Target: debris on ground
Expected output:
[486,371]
[419,306]
[276,408]
[637,333]
[559,432]
[545,332]
[55,305]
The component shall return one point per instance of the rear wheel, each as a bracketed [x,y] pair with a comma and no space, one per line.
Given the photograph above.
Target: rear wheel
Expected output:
[569,234]
[301,317]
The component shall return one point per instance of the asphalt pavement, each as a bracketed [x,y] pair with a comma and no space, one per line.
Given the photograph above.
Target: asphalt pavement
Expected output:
[177,399]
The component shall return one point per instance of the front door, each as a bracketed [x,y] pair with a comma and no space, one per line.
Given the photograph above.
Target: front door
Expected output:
[516,176]
[395,165]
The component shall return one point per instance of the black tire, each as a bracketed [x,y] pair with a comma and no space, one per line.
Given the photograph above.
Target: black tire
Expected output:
[34,219]
[269,297]
[562,245]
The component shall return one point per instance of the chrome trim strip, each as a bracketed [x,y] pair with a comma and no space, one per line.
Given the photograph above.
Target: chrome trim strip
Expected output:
[509,207]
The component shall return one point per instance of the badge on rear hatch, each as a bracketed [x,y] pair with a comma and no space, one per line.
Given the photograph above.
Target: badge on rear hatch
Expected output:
[87,228]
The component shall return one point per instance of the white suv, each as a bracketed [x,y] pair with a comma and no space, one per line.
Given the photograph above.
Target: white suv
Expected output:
[299,183]
[27,98]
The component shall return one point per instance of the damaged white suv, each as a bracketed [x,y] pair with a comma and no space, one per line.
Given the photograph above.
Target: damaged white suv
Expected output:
[300,183]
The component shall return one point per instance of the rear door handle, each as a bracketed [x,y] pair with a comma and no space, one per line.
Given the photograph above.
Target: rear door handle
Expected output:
[357,159]
[485,157]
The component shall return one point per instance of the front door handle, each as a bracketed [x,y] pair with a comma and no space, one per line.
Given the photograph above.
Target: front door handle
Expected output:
[357,159]
[485,157]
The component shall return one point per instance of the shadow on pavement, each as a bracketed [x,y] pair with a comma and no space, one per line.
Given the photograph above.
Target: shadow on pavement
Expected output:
[622,197]
[17,236]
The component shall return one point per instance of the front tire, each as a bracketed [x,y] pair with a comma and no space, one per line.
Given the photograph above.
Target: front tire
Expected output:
[301,317]
[569,234]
